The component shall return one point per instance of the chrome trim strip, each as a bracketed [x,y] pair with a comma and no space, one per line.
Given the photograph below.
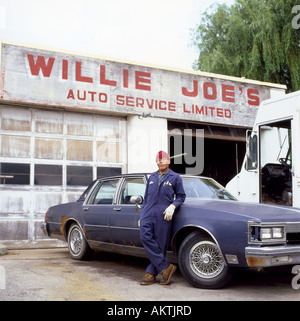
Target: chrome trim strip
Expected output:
[124,228]
[272,250]
[57,223]
[113,227]
[99,226]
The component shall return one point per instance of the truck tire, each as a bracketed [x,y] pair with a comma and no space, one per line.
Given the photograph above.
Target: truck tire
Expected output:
[201,262]
[78,246]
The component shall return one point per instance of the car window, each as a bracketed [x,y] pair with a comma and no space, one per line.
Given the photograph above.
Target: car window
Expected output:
[86,192]
[198,188]
[104,194]
[132,186]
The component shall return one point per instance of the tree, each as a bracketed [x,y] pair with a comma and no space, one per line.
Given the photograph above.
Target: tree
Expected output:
[253,39]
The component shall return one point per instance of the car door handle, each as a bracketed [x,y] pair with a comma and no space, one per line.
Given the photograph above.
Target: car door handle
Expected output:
[85,208]
[117,208]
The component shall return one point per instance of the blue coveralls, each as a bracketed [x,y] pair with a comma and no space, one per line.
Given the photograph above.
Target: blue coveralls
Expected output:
[155,231]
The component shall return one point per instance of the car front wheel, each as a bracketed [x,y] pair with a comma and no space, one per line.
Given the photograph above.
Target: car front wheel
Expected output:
[201,262]
[78,246]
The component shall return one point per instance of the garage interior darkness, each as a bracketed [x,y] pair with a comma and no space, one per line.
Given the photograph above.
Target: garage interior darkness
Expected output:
[224,150]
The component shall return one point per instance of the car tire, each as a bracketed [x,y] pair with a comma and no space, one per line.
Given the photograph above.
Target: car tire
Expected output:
[78,246]
[201,262]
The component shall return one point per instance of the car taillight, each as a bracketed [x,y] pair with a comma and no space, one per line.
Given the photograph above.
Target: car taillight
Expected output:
[46,215]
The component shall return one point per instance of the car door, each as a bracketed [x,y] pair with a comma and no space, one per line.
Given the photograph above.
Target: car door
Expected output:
[125,217]
[97,208]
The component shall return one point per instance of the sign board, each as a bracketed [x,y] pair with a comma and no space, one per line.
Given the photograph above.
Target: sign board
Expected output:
[45,77]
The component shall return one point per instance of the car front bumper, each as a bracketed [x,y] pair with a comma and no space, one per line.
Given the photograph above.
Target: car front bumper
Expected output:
[272,256]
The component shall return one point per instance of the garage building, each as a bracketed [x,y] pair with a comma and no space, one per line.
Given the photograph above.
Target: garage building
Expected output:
[69,118]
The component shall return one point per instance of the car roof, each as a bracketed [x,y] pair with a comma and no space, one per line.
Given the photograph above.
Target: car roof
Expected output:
[145,174]
[87,190]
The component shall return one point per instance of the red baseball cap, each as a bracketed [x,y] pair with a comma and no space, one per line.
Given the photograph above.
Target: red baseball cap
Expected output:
[161,154]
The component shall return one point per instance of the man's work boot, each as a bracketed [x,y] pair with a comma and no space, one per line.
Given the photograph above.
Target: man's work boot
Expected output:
[167,274]
[148,279]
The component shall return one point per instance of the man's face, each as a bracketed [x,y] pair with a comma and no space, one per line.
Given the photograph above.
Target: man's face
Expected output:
[163,164]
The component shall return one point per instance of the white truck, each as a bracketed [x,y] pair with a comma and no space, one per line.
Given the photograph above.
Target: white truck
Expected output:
[271,169]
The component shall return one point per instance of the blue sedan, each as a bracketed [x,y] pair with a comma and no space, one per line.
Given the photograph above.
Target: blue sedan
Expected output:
[213,233]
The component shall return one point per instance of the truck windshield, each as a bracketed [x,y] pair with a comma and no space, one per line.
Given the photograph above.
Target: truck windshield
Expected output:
[275,143]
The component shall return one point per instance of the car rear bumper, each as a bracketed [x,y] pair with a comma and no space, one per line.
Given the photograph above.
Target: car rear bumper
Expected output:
[44,228]
[272,256]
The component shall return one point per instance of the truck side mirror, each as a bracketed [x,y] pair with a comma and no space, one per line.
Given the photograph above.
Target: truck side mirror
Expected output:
[251,151]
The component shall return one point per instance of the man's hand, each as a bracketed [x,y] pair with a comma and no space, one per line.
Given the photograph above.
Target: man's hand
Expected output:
[169,211]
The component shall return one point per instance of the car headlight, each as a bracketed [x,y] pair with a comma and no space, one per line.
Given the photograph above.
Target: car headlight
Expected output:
[278,232]
[259,233]
[267,233]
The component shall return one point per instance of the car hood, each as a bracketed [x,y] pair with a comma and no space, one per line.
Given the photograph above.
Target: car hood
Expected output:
[251,211]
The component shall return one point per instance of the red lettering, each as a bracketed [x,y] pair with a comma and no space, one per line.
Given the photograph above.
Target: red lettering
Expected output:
[129,101]
[103,80]
[220,112]
[160,105]
[227,113]
[199,110]
[125,78]
[253,97]
[65,69]
[103,100]
[120,100]
[83,95]
[193,93]
[228,93]
[150,104]
[212,110]
[140,102]
[70,94]
[78,95]
[40,64]
[184,110]
[209,87]
[142,78]
[79,77]
[172,106]
[92,93]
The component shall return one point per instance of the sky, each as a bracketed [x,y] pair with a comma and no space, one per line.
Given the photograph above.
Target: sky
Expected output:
[146,31]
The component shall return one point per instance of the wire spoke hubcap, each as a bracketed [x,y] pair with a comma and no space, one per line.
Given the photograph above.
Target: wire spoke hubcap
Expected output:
[76,241]
[206,260]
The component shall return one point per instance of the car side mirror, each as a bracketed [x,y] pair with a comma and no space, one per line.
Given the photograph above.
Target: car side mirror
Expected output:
[136,199]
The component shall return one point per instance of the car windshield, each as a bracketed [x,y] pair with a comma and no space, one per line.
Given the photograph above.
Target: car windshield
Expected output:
[200,188]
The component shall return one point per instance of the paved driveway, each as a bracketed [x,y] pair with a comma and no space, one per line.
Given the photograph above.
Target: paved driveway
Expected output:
[50,274]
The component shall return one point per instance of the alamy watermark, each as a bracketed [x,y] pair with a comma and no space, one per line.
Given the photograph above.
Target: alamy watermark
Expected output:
[188,147]
[296,19]
[296,271]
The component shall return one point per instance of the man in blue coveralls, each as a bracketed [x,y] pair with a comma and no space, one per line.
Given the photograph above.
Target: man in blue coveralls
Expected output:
[164,193]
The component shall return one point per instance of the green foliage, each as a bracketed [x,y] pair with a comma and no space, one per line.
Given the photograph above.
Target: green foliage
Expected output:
[253,39]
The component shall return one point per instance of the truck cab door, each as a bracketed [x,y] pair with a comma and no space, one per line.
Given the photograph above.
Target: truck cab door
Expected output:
[276,163]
